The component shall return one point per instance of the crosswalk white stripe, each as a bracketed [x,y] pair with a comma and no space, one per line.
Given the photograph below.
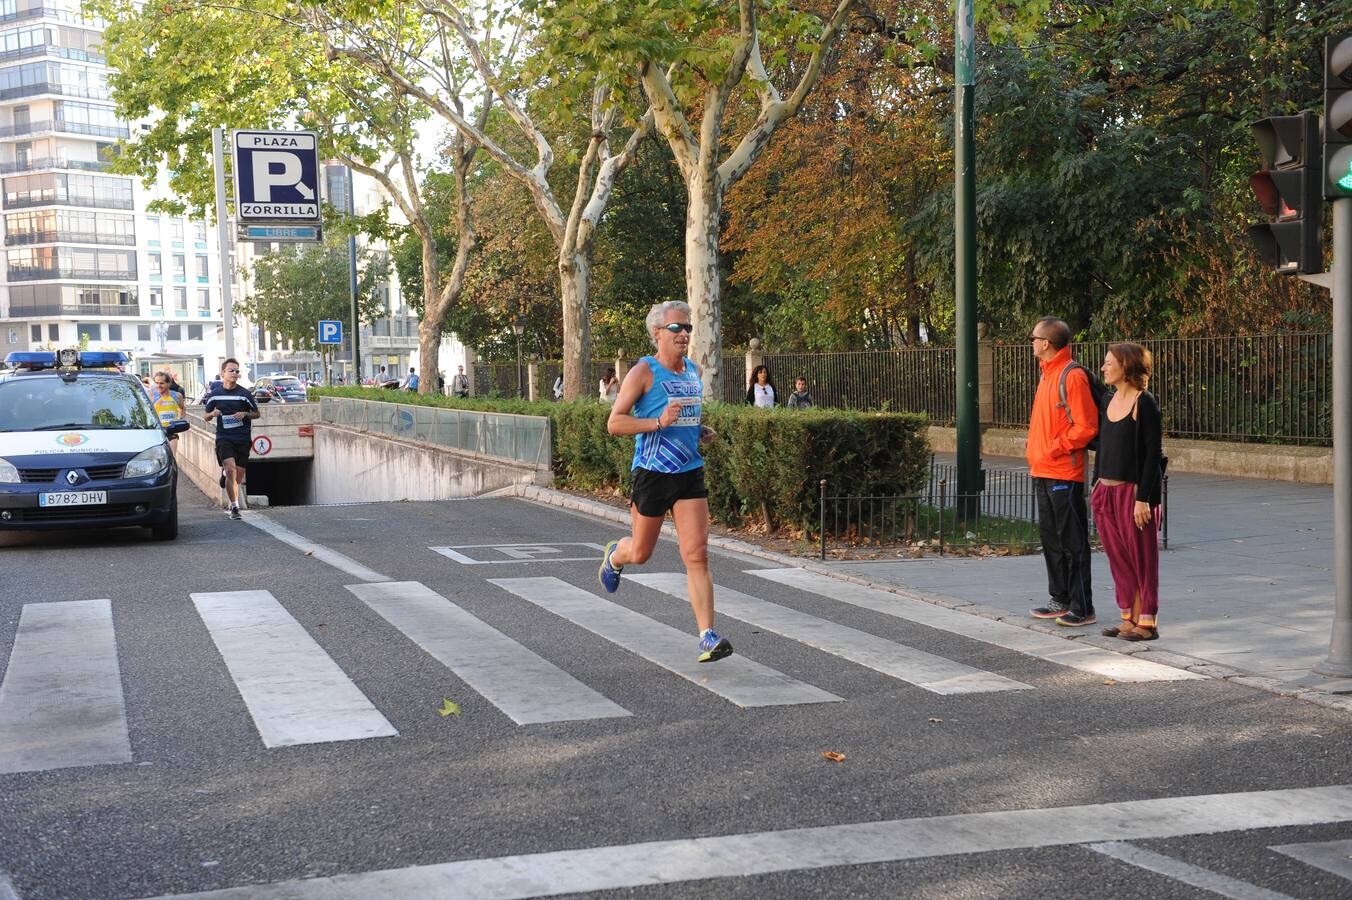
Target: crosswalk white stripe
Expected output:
[324,554]
[1331,856]
[738,855]
[526,687]
[61,701]
[735,678]
[295,692]
[1194,876]
[924,670]
[1106,663]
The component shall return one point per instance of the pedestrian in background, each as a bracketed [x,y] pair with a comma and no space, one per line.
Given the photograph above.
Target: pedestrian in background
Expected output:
[1128,469]
[412,381]
[761,391]
[800,398]
[609,388]
[460,382]
[1059,433]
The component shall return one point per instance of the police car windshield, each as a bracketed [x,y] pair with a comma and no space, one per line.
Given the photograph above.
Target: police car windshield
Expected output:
[40,403]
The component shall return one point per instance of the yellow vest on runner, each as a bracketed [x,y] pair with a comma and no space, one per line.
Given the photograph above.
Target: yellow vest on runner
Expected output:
[167,407]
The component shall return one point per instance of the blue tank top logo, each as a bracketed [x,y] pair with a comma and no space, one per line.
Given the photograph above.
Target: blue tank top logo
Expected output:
[676,448]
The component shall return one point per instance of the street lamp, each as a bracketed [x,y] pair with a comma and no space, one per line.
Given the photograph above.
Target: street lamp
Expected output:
[517,329]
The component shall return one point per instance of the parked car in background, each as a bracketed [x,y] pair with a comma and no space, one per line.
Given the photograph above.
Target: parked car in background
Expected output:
[286,388]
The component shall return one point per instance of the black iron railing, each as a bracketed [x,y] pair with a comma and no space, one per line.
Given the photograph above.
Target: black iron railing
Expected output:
[938,519]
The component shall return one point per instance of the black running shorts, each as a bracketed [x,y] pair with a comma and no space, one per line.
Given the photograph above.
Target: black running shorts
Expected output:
[236,450]
[655,493]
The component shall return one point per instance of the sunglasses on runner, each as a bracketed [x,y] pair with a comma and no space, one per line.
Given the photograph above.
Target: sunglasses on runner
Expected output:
[677,327]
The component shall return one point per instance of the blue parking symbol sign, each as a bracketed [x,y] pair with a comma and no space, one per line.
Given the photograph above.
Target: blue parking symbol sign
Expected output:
[330,331]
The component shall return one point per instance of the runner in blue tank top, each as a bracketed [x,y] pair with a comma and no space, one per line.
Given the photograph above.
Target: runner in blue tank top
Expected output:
[659,402]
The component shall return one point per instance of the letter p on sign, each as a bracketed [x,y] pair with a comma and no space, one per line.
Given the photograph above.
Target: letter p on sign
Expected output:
[272,169]
[330,331]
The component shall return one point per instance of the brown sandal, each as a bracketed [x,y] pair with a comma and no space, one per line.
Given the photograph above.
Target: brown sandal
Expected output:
[1119,630]
[1140,634]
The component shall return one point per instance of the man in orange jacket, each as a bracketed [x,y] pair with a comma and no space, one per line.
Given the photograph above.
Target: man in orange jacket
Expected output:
[1058,437]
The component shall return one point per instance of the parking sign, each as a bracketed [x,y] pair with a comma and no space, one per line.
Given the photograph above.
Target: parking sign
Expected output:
[276,176]
[330,331]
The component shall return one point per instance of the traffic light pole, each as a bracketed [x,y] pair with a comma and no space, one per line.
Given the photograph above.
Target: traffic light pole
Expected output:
[1339,662]
[967,419]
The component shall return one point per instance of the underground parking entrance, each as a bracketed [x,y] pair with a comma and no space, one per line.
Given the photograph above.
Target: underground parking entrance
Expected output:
[285,482]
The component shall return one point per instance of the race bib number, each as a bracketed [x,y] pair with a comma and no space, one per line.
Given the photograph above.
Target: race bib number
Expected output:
[227,422]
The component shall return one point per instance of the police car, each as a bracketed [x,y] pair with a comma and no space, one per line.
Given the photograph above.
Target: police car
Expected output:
[81,447]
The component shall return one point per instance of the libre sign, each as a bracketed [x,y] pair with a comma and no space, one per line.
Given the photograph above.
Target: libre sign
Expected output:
[276,176]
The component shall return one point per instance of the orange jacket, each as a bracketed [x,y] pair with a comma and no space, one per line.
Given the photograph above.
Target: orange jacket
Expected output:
[1056,448]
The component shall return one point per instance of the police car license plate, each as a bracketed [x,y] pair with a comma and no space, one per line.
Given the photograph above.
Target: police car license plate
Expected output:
[73,498]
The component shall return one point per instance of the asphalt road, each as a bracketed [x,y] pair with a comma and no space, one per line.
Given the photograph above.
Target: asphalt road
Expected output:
[215,791]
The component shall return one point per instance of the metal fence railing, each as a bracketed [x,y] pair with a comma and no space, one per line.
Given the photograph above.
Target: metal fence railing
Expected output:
[938,519]
[518,439]
[1274,388]
[915,380]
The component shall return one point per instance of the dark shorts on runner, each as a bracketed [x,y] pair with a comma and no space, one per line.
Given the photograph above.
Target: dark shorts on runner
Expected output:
[236,450]
[655,493]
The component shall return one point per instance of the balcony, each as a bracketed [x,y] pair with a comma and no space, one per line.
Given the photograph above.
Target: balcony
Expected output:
[75,309]
[52,50]
[83,202]
[43,273]
[37,89]
[45,126]
[70,237]
[49,162]
[51,12]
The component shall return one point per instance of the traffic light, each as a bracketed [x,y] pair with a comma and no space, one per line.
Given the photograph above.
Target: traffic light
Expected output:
[1288,190]
[1338,117]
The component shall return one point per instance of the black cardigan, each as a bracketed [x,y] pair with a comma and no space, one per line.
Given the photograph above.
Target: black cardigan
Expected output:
[1149,446]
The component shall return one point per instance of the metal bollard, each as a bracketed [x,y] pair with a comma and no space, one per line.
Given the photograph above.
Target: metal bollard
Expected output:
[821,519]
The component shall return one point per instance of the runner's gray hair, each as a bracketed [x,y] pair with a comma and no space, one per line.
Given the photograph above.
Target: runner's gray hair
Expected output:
[657,315]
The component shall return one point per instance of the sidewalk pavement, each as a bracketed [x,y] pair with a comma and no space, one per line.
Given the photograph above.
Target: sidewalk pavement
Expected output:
[1247,581]
[1246,586]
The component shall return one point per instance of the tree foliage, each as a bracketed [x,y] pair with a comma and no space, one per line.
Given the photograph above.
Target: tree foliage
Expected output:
[293,290]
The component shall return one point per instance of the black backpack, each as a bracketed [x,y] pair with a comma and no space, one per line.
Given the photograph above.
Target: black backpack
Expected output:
[1097,390]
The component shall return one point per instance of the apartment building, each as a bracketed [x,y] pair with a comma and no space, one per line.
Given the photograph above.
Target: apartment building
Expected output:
[84,260]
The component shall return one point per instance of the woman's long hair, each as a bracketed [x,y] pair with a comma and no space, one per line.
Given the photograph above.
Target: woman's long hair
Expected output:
[755,376]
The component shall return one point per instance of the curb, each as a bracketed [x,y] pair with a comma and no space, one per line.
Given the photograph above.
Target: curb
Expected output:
[1197,665]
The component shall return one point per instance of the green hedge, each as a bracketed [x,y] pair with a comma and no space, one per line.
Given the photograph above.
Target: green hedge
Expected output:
[765,464]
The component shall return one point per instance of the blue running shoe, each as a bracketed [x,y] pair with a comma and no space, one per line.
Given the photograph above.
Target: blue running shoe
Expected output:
[712,647]
[608,575]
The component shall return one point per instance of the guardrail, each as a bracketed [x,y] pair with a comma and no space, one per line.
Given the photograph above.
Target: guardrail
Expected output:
[510,438]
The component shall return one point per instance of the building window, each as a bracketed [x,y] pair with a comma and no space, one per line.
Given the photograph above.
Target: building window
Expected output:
[176,229]
[204,299]
[156,265]
[114,331]
[175,332]
[91,330]
[180,267]
[194,332]
[53,332]
[143,332]
[203,272]
[156,297]
[181,298]
[35,333]
[199,232]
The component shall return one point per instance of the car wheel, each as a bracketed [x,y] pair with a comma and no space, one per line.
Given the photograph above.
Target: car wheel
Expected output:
[168,529]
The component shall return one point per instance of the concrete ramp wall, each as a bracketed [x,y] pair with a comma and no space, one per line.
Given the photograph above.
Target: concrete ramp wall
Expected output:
[357,467]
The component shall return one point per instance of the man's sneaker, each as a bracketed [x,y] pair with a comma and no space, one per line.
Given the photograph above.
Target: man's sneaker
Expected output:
[712,647]
[1070,620]
[1053,610]
[609,575]
[234,513]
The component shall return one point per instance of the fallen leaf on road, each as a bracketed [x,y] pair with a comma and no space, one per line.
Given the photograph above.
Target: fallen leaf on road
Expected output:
[448,708]
[833,756]
[935,719]
[1109,681]
[309,553]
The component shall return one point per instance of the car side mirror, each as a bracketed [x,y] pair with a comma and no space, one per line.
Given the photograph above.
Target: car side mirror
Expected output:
[178,426]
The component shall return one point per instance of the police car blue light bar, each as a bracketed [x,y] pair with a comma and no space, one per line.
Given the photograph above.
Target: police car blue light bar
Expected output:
[49,359]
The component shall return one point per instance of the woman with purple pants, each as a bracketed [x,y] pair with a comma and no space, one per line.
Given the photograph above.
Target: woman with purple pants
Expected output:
[1128,468]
